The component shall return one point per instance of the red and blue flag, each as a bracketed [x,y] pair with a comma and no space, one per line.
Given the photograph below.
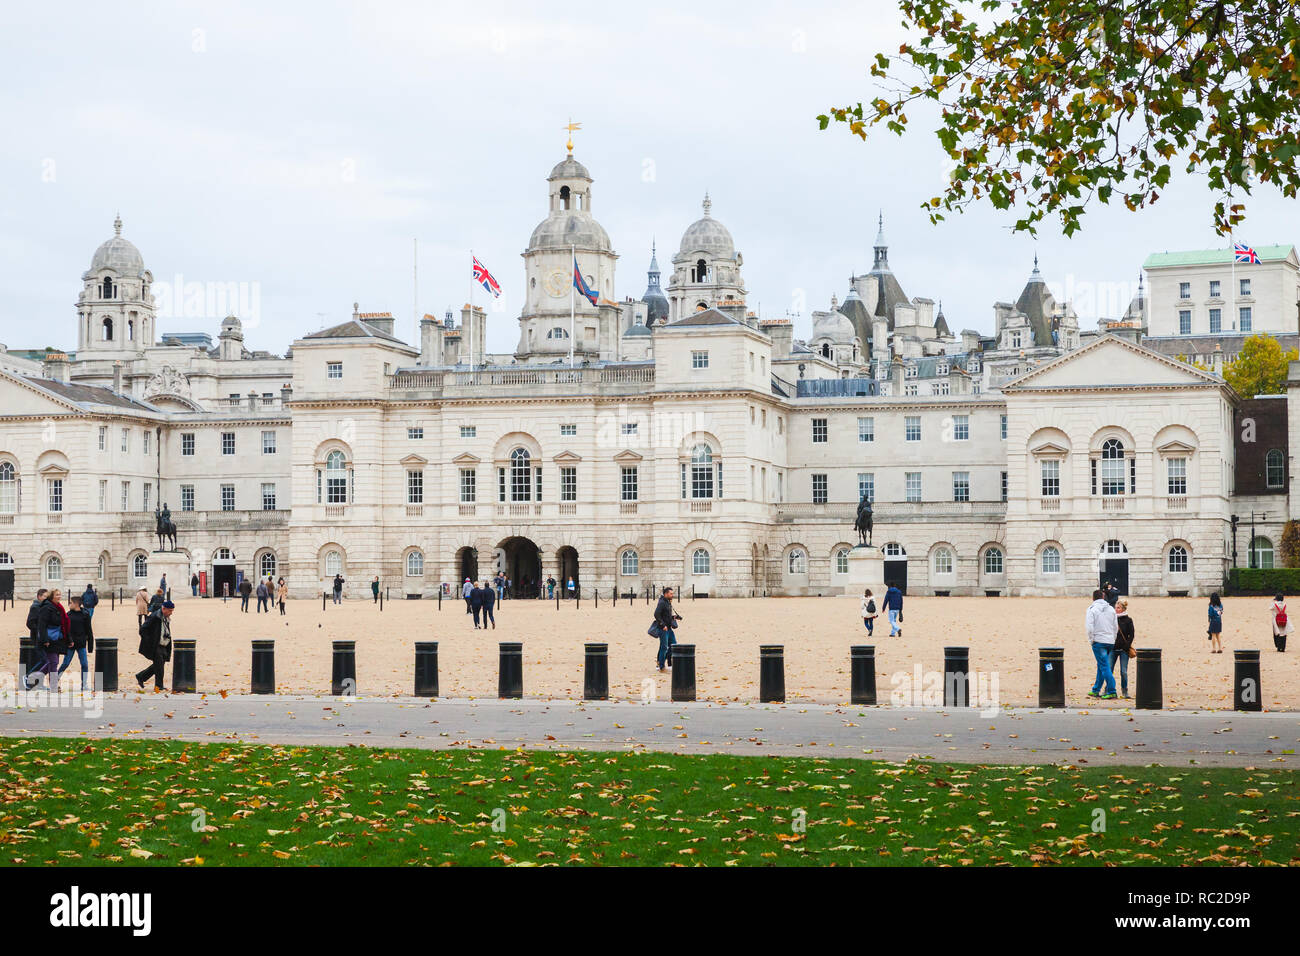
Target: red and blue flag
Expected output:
[1244,253]
[485,279]
[580,284]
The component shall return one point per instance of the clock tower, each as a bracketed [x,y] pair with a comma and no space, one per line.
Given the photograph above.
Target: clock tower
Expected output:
[569,232]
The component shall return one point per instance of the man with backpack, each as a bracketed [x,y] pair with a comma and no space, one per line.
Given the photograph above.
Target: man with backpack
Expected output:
[89,599]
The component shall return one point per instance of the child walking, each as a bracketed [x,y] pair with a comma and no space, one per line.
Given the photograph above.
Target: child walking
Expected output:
[1281,625]
[1215,630]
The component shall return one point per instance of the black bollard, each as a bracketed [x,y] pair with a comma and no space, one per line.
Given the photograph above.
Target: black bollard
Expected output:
[343,674]
[862,674]
[1051,677]
[426,668]
[183,657]
[683,658]
[595,676]
[263,668]
[771,674]
[956,677]
[1149,694]
[510,676]
[1245,681]
[439,599]
[106,663]
[322,600]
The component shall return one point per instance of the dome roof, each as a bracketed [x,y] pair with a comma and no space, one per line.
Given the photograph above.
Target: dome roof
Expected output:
[637,330]
[708,235]
[567,227]
[231,322]
[569,168]
[118,254]
[835,326]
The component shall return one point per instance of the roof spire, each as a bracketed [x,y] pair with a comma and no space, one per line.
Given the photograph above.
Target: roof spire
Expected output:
[571,127]
[708,204]
[117,225]
[881,260]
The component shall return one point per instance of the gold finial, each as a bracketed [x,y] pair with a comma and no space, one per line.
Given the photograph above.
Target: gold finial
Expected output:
[571,127]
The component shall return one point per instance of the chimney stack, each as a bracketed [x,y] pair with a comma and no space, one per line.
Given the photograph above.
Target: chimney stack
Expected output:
[117,377]
[55,366]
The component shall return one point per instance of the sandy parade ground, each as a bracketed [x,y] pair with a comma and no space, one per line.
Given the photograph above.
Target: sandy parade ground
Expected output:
[1003,635]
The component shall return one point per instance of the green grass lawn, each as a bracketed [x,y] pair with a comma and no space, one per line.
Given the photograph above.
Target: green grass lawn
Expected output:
[151,802]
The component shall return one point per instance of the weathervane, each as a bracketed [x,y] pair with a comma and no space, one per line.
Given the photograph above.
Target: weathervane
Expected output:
[571,127]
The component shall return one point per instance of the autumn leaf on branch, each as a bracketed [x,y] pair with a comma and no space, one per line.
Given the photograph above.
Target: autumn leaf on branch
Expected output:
[1046,106]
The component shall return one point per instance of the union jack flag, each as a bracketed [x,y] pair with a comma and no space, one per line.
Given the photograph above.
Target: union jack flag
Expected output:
[1244,253]
[580,284]
[484,278]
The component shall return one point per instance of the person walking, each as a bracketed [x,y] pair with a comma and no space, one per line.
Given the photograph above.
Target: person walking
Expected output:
[1281,624]
[194,585]
[1215,630]
[263,596]
[156,645]
[1123,647]
[476,604]
[1102,626]
[508,588]
[550,587]
[489,600]
[1110,593]
[281,594]
[51,638]
[374,590]
[893,605]
[89,600]
[141,606]
[869,611]
[466,590]
[162,584]
[665,624]
[81,639]
[338,588]
[571,588]
[245,592]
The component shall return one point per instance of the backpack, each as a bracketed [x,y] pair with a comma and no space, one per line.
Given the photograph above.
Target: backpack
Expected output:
[1280,617]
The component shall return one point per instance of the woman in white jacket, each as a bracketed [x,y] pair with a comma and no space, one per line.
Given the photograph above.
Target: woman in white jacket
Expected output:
[1281,622]
[868,611]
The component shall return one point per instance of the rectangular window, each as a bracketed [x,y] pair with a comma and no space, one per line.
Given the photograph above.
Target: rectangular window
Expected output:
[268,399]
[1002,427]
[1112,475]
[146,435]
[126,439]
[56,494]
[1184,321]
[187,497]
[912,483]
[1004,486]
[126,496]
[1177,472]
[268,496]
[1214,288]
[1216,321]
[468,485]
[1184,290]
[268,443]
[103,495]
[415,487]
[227,497]
[866,429]
[414,433]
[912,427]
[819,489]
[628,484]
[568,483]
[568,431]
[819,431]
[866,485]
[629,428]
[501,484]
[961,428]
[103,437]
[1244,286]
[699,360]
[910,390]
[333,369]
[1050,473]
[187,444]
[961,486]
[939,388]
[146,495]
[227,443]
[1015,340]
[468,431]
[233,400]
[1244,319]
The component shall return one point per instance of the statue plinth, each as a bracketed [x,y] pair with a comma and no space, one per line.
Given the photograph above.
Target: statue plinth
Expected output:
[176,565]
[867,570]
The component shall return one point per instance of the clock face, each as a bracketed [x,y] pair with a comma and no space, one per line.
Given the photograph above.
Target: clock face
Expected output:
[556,283]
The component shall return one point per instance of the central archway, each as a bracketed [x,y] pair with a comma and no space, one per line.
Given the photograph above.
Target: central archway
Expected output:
[522,564]
[566,562]
[466,565]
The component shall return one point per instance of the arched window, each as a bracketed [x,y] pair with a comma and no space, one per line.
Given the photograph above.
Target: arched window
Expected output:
[1112,467]
[102,567]
[701,271]
[336,478]
[700,561]
[1275,468]
[106,288]
[415,564]
[224,554]
[557,333]
[521,475]
[1051,560]
[140,566]
[1261,552]
[266,564]
[798,562]
[333,563]
[108,329]
[842,561]
[993,561]
[1114,546]
[130,331]
[564,197]
[631,563]
[8,488]
[943,561]
[894,550]
[7,561]
[701,484]
[54,568]
[1177,559]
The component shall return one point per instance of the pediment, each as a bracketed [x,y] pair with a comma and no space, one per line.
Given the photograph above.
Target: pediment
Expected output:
[414,460]
[1049,449]
[1111,362]
[465,458]
[567,456]
[1175,447]
[627,454]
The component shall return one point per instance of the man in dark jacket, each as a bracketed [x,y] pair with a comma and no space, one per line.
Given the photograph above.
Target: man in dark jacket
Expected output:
[338,589]
[893,604]
[489,601]
[156,645]
[51,638]
[89,600]
[665,622]
[476,604]
[245,590]
[263,597]
[81,639]
[37,658]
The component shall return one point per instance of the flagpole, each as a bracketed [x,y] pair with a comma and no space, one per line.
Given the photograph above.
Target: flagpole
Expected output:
[415,290]
[573,252]
[470,332]
[1232,251]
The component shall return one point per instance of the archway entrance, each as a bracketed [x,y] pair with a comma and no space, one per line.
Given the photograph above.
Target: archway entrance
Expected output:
[895,566]
[522,564]
[566,561]
[1112,566]
[466,565]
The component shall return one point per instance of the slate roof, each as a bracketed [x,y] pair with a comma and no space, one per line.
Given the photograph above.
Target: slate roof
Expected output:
[705,317]
[87,395]
[352,329]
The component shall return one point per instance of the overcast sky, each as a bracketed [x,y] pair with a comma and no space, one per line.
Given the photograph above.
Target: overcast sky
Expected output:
[297,149]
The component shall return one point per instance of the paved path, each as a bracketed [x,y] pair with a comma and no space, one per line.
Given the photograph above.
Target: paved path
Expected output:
[1211,738]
